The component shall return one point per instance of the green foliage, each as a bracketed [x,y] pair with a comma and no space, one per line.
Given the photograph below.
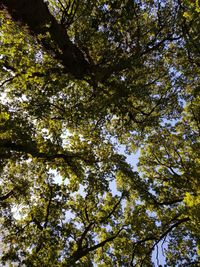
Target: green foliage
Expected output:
[85,79]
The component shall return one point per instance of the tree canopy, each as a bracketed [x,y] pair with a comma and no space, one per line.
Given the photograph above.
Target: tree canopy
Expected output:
[79,80]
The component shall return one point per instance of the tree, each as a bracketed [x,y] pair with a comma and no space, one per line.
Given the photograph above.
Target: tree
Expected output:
[78,79]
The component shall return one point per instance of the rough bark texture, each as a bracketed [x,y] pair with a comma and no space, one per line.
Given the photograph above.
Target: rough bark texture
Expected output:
[36,15]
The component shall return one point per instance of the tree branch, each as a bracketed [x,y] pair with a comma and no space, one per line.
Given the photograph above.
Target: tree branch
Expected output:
[2,198]
[175,225]
[78,254]
[48,208]
[36,15]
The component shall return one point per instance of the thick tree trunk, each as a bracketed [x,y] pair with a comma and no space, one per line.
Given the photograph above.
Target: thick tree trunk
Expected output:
[36,15]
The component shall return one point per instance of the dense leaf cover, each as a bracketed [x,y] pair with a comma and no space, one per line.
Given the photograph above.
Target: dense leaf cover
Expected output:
[79,79]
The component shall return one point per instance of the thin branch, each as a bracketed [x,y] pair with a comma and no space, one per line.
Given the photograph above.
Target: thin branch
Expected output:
[113,210]
[8,80]
[170,202]
[81,252]
[101,244]
[9,194]
[136,244]
[48,208]
[37,223]
[83,236]
[175,225]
